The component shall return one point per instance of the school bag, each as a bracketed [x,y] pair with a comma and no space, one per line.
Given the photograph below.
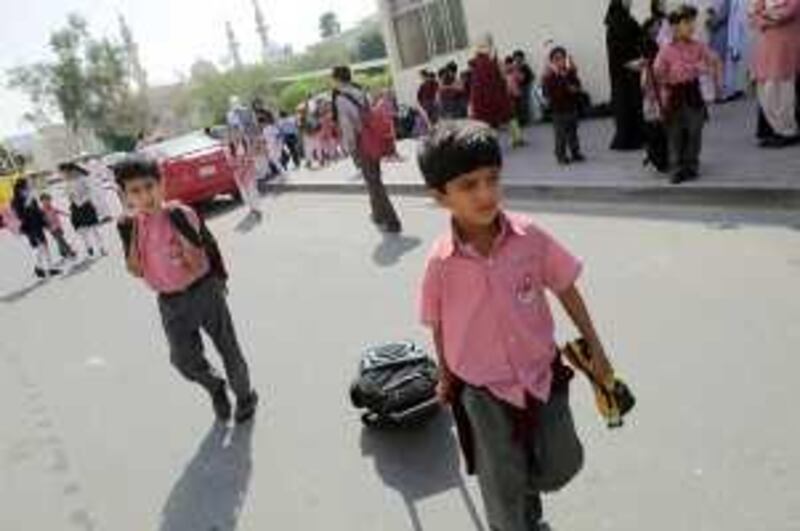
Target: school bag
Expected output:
[200,238]
[395,385]
[376,140]
[614,399]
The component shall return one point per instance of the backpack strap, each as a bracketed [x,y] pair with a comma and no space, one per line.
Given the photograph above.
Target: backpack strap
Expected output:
[202,238]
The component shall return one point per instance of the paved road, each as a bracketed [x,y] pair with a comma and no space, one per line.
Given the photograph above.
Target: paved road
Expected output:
[698,308]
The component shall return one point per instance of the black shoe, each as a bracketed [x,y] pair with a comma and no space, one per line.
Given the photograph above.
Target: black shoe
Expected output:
[246,408]
[393,227]
[692,174]
[39,272]
[54,272]
[221,403]
[680,176]
[578,158]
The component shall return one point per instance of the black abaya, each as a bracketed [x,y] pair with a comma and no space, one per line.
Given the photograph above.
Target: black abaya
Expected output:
[624,38]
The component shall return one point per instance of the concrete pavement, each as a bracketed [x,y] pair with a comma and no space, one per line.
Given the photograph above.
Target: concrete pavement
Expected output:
[697,306]
[734,168]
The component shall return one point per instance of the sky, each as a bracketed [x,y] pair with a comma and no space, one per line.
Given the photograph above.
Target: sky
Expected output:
[172,34]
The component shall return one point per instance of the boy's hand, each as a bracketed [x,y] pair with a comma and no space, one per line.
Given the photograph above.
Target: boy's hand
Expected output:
[446,389]
[601,367]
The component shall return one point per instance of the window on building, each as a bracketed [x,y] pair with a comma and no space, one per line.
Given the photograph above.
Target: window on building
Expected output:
[426,28]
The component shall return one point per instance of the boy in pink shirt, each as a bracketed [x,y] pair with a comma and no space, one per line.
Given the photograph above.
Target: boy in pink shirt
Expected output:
[484,297]
[169,247]
[679,67]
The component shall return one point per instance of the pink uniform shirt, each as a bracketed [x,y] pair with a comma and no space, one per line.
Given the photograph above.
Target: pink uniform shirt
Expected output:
[169,263]
[496,324]
[52,216]
[681,62]
[777,50]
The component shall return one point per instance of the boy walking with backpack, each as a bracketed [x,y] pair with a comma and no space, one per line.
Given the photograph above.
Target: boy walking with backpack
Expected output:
[170,248]
[365,142]
[484,297]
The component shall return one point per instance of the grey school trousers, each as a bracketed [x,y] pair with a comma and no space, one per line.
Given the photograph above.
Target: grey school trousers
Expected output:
[184,315]
[685,129]
[565,128]
[382,208]
[511,474]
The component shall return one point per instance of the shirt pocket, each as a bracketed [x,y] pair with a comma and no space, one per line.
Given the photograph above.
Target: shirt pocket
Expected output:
[524,283]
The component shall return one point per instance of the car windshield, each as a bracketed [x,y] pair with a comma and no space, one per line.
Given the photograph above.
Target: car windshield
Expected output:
[182,145]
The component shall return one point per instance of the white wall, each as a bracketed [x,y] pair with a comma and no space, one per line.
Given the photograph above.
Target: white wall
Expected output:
[527,24]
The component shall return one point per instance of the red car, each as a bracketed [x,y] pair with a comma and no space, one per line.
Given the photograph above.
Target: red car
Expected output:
[194,168]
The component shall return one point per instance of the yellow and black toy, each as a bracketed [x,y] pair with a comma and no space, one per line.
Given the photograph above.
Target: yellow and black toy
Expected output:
[613,397]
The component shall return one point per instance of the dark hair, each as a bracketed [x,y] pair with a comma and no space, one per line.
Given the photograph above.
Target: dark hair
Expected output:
[557,50]
[447,76]
[46,197]
[457,147]
[135,167]
[509,60]
[71,167]
[342,73]
[518,54]
[684,12]
[453,67]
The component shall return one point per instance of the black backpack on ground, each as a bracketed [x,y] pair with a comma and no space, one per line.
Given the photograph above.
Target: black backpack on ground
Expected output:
[396,385]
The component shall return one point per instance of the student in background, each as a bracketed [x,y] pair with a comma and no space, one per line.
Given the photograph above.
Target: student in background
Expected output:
[32,223]
[53,217]
[562,88]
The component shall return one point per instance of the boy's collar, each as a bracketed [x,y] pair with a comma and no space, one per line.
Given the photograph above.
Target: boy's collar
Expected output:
[452,241]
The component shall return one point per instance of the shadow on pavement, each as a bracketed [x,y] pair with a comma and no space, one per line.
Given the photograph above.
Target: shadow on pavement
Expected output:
[249,222]
[210,493]
[19,294]
[392,248]
[79,268]
[419,462]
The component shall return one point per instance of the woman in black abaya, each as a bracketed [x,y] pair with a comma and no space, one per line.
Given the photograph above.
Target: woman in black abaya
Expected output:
[624,44]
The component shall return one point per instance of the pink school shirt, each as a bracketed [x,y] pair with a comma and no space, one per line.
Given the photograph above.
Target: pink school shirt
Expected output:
[681,62]
[164,253]
[52,217]
[496,324]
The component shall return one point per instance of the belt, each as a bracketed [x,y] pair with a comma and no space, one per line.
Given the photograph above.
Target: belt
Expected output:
[192,287]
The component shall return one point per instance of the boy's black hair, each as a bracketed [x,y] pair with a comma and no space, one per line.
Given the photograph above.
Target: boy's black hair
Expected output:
[452,66]
[446,75]
[518,54]
[456,147]
[342,73]
[509,60]
[46,197]
[557,50]
[684,12]
[135,167]
[72,167]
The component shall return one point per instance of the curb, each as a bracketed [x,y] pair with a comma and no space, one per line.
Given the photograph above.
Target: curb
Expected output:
[687,194]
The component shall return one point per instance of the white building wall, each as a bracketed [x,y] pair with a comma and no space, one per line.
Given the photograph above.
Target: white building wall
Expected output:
[527,25]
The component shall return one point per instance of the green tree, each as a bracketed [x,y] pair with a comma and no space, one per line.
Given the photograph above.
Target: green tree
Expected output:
[88,83]
[371,46]
[329,25]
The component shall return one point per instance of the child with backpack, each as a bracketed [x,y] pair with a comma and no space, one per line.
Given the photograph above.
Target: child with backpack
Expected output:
[169,247]
[32,223]
[484,297]
[52,216]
